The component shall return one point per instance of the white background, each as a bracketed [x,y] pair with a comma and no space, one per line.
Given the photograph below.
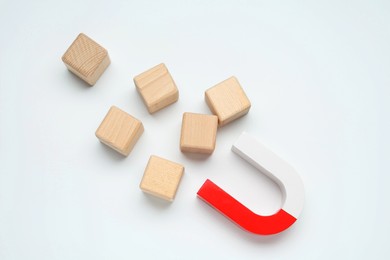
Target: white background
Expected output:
[317,74]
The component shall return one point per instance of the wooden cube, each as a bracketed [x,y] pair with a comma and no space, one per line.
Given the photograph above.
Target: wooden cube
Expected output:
[162,178]
[119,130]
[86,59]
[227,100]
[198,133]
[156,88]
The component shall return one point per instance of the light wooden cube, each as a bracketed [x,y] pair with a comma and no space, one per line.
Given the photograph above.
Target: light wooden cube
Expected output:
[86,59]
[162,178]
[198,133]
[156,88]
[120,131]
[227,100]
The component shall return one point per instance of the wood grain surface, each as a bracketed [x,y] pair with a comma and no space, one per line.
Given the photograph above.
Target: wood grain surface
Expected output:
[227,100]
[162,178]
[86,58]
[198,133]
[157,88]
[119,130]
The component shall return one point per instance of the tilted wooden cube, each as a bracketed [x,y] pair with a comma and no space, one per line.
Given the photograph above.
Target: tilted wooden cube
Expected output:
[119,130]
[162,178]
[156,88]
[87,59]
[227,100]
[198,133]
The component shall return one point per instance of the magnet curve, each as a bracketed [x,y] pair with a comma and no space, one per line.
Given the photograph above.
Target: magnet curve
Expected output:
[251,150]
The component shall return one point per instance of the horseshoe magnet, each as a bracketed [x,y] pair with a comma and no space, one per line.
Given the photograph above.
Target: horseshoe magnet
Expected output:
[251,150]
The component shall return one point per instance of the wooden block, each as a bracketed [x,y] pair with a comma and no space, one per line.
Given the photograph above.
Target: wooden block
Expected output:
[86,59]
[119,130]
[227,100]
[198,133]
[156,88]
[162,178]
